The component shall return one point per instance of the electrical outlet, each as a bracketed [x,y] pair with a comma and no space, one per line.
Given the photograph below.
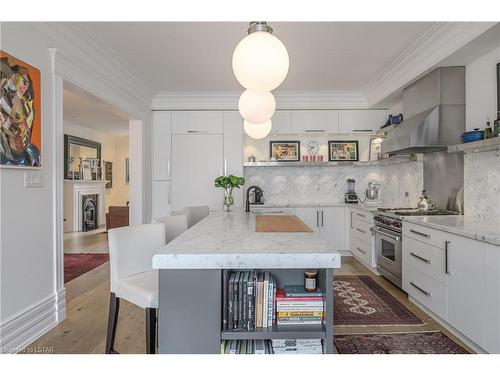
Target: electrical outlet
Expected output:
[33,179]
[407,194]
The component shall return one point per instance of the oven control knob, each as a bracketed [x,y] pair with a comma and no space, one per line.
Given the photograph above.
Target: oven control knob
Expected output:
[397,224]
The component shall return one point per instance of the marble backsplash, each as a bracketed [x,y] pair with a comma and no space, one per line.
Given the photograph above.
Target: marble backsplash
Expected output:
[313,185]
[482,185]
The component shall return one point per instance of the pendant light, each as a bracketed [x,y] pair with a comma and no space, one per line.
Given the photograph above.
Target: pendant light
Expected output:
[256,106]
[257,131]
[260,60]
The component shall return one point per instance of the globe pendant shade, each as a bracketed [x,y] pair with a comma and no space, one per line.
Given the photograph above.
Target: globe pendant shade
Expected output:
[256,106]
[260,61]
[257,131]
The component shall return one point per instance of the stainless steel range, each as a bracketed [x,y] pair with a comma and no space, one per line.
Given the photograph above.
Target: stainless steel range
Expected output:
[389,239]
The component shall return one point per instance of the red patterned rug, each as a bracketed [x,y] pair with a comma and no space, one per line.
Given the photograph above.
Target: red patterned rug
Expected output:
[398,343]
[77,264]
[360,301]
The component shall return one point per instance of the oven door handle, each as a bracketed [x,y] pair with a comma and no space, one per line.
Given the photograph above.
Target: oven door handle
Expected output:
[384,233]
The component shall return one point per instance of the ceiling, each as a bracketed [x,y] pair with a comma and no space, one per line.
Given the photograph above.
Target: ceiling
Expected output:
[84,109]
[196,56]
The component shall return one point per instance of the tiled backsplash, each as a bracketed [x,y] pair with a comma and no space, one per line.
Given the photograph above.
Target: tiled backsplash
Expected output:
[481,185]
[291,185]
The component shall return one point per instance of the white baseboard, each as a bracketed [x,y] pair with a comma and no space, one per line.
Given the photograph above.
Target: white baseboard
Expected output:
[24,328]
[466,340]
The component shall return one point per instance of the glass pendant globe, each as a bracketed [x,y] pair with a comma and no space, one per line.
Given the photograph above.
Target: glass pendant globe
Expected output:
[260,61]
[256,106]
[257,131]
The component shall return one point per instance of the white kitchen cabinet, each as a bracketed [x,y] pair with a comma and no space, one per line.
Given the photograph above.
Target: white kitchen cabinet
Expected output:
[310,216]
[334,227]
[162,147]
[196,161]
[315,121]
[359,224]
[361,121]
[466,287]
[162,198]
[233,150]
[281,123]
[197,122]
[491,276]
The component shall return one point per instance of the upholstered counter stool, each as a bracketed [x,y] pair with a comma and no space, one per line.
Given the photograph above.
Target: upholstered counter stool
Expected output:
[175,225]
[196,213]
[131,250]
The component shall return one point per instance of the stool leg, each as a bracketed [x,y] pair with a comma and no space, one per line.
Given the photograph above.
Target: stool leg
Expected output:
[151,330]
[114,307]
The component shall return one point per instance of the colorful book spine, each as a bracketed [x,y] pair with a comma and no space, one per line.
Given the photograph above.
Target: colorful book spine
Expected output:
[265,299]
[292,314]
[269,308]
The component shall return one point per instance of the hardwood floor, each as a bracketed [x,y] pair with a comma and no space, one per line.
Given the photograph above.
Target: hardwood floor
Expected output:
[84,330]
[95,241]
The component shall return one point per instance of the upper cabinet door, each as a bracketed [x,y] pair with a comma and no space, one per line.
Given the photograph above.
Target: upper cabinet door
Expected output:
[361,121]
[197,122]
[161,135]
[315,121]
[281,123]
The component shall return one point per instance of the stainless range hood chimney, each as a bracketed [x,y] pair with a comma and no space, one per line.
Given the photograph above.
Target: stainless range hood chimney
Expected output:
[434,111]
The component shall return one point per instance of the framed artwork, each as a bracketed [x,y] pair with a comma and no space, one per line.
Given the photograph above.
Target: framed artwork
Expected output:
[108,174]
[343,151]
[20,114]
[498,87]
[284,150]
[86,170]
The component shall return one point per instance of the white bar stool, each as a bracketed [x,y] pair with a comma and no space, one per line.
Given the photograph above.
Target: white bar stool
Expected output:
[175,225]
[196,213]
[132,278]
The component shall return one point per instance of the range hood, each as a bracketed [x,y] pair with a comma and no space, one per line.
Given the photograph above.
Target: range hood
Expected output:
[432,130]
[434,109]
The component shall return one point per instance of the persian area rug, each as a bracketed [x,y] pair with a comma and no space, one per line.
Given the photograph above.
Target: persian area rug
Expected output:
[360,301]
[398,343]
[77,264]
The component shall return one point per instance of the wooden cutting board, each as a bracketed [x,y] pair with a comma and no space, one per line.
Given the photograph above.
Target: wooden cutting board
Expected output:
[280,223]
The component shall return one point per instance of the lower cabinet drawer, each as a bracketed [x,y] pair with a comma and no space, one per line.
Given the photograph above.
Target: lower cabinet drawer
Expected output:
[425,258]
[362,251]
[362,230]
[426,290]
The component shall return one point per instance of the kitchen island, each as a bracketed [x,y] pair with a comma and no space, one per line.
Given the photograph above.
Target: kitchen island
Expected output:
[190,280]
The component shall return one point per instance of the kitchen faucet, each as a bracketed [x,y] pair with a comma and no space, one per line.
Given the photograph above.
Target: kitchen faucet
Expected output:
[258,197]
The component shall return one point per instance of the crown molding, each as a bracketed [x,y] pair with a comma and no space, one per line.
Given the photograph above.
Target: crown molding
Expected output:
[439,42]
[79,49]
[228,100]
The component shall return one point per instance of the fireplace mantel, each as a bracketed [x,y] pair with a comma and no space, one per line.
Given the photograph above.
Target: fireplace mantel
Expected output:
[73,192]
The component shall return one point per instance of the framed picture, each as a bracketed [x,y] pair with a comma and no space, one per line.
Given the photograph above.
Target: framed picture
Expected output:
[20,114]
[127,170]
[108,174]
[284,150]
[86,170]
[498,87]
[343,151]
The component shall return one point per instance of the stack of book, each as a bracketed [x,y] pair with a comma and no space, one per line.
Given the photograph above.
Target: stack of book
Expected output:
[248,300]
[297,346]
[246,347]
[295,305]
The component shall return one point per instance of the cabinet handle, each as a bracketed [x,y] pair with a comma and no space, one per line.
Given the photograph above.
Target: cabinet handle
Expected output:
[420,289]
[361,251]
[169,194]
[361,230]
[168,167]
[197,131]
[361,130]
[352,226]
[315,130]
[360,215]
[420,258]
[446,268]
[420,233]
[322,219]
[317,218]
[225,165]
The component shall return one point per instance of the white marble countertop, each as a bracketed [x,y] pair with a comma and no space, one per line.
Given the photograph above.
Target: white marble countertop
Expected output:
[466,226]
[361,206]
[229,240]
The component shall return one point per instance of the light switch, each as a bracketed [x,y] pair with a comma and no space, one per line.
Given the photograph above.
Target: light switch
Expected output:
[33,179]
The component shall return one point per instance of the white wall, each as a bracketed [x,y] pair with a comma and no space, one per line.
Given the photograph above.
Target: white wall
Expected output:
[114,148]
[29,287]
[482,170]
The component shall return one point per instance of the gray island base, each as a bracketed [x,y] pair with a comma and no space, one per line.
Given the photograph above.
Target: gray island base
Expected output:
[190,281]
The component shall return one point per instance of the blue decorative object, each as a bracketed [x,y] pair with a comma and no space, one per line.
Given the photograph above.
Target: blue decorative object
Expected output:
[472,136]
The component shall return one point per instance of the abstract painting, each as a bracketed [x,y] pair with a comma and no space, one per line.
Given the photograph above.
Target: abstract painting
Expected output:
[20,113]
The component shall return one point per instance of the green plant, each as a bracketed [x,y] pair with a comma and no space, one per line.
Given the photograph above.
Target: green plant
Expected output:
[229,182]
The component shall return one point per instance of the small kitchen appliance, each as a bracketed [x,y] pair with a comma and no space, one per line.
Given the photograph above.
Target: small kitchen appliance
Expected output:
[351,196]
